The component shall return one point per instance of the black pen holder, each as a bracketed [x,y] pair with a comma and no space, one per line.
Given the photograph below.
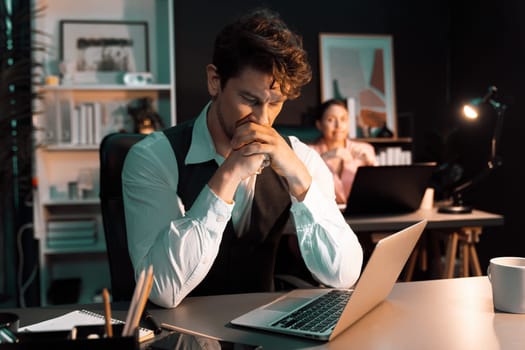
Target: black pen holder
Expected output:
[92,337]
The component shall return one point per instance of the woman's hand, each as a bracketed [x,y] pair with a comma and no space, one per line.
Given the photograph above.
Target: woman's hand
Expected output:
[339,153]
[363,152]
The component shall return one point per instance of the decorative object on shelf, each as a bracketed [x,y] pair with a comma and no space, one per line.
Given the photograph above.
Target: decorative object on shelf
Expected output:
[87,181]
[52,80]
[360,68]
[102,51]
[67,70]
[471,111]
[145,118]
[138,79]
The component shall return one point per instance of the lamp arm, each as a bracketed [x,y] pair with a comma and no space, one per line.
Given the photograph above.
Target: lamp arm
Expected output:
[494,160]
[500,110]
[458,190]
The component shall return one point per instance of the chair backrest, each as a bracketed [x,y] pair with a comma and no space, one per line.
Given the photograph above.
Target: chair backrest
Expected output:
[113,150]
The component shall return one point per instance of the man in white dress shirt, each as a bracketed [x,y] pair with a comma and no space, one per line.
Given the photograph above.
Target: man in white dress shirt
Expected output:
[206,201]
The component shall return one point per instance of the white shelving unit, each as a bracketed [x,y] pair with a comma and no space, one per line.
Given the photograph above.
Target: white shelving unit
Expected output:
[63,195]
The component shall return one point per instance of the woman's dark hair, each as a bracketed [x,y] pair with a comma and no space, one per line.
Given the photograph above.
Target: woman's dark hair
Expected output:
[261,40]
[327,104]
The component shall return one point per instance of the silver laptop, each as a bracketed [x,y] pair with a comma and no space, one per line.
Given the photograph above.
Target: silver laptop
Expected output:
[323,313]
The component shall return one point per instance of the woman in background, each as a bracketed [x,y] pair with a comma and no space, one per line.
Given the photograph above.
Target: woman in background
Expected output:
[342,155]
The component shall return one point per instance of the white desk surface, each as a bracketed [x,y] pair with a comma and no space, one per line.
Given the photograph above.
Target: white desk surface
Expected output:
[438,314]
[435,219]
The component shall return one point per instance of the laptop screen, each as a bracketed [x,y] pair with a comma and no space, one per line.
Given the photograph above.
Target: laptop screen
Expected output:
[389,189]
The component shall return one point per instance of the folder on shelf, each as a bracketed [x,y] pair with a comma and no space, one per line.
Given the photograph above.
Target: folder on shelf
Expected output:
[71,233]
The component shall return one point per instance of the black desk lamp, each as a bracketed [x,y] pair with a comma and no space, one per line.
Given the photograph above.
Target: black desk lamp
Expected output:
[471,111]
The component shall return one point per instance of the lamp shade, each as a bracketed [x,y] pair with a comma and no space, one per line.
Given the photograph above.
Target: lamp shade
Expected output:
[471,109]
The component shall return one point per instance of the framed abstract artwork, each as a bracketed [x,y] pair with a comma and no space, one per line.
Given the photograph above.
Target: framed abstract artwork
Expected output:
[360,69]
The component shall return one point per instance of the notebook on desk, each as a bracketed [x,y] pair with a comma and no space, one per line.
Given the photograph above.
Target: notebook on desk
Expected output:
[388,189]
[292,314]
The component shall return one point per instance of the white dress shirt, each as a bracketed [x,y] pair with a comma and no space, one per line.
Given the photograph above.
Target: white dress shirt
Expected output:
[182,243]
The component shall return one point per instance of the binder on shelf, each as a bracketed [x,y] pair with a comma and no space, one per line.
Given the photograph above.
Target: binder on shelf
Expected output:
[74,126]
[65,111]
[90,122]
[83,124]
[97,122]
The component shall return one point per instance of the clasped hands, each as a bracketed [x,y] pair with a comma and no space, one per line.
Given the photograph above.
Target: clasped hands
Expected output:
[255,146]
[254,141]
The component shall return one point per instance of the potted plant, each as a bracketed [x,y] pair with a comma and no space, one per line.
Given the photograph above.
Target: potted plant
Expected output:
[19,79]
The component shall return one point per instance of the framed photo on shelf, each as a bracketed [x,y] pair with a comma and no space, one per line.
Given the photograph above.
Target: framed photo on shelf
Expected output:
[360,69]
[102,51]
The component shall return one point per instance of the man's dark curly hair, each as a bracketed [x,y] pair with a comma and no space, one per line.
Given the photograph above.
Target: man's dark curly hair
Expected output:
[262,41]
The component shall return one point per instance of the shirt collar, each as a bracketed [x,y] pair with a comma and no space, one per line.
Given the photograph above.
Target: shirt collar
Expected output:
[202,148]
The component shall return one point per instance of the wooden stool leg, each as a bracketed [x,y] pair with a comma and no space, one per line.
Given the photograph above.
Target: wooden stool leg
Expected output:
[474,261]
[465,255]
[436,254]
[470,235]
[452,246]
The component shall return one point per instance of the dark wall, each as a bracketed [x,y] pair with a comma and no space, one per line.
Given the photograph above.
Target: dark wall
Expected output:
[419,42]
[489,49]
[444,53]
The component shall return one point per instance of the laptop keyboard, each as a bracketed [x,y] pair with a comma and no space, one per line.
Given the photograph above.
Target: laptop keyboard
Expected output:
[319,315]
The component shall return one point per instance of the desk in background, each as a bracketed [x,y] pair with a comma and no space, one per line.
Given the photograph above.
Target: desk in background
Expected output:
[436,220]
[437,314]
[460,230]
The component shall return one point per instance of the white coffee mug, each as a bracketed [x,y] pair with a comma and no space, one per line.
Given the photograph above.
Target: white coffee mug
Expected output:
[507,278]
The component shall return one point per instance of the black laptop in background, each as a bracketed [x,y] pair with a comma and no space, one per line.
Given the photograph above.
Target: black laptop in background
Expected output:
[388,189]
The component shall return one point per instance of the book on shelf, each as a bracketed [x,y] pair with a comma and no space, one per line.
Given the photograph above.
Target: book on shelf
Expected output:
[86,124]
[394,156]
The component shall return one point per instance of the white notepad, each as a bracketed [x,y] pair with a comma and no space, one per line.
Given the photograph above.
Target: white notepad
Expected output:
[79,318]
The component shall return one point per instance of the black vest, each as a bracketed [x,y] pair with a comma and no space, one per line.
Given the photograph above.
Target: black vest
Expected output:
[244,264]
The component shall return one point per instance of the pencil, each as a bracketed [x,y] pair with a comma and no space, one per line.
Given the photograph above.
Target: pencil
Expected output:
[107,313]
[141,303]
[134,300]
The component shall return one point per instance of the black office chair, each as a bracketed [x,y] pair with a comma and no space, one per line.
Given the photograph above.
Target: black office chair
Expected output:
[113,150]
